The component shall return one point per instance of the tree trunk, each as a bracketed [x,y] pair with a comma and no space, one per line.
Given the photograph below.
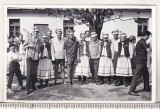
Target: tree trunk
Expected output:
[96,23]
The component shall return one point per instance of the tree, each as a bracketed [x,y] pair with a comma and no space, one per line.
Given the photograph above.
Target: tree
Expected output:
[95,17]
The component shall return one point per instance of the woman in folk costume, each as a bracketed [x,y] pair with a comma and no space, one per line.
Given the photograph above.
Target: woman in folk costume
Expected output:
[124,70]
[45,68]
[82,68]
[105,64]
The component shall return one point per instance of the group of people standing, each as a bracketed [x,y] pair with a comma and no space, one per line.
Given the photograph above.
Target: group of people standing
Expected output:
[113,60]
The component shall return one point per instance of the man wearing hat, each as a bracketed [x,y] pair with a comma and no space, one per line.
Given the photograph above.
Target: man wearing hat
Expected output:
[124,70]
[71,49]
[141,65]
[94,55]
[32,45]
[59,52]
[105,63]
[115,57]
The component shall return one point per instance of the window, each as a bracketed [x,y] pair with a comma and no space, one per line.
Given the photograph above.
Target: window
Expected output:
[14,27]
[142,26]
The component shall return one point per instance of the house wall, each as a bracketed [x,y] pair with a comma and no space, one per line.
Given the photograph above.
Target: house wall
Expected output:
[129,27]
[28,20]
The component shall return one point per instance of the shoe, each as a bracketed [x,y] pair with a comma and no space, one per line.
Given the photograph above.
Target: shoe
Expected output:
[108,83]
[85,82]
[27,93]
[10,91]
[145,90]
[80,82]
[40,86]
[34,88]
[133,93]
[99,83]
[118,84]
[22,88]
[126,84]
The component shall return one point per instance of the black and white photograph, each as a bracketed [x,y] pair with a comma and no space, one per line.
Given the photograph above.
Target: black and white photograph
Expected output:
[79,53]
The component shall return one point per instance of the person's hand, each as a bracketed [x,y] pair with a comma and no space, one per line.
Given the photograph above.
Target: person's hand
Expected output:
[30,46]
[78,60]
[66,61]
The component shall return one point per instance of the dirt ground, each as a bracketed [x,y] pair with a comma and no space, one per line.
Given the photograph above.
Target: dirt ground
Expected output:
[76,92]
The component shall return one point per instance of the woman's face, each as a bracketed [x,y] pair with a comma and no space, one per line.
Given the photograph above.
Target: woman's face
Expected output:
[45,40]
[83,38]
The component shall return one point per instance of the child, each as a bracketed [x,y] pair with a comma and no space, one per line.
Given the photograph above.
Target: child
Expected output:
[82,69]
[71,49]
[14,67]
[124,70]
[45,68]
[105,64]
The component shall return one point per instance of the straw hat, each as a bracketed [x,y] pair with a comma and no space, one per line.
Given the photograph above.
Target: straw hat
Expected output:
[123,35]
[105,35]
[93,34]
[58,30]
[115,32]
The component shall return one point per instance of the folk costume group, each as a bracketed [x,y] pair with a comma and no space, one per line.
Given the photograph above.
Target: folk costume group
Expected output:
[105,61]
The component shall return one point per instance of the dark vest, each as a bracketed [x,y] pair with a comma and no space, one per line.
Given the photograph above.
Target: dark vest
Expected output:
[48,46]
[108,49]
[81,48]
[126,48]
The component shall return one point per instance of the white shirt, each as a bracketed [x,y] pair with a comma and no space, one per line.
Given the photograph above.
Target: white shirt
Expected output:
[12,56]
[104,52]
[84,50]
[58,48]
[115,44]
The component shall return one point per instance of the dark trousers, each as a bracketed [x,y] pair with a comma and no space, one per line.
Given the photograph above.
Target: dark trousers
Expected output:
[94,65]
[14,67]
[56,63]
[70,68]
[31,74]
[83,79]
[141,70]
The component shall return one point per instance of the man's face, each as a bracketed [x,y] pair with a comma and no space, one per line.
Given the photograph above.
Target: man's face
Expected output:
[123,38]
[147,37]
[70,36]
[105,39]
[115,36]
[87,33]
[93,39]
[36,33]
[49,33]
[59,34]
[83,38]
[11,39]
[12,48]
[21,37]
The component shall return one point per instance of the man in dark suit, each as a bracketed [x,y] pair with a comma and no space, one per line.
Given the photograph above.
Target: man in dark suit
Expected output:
[141,65]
